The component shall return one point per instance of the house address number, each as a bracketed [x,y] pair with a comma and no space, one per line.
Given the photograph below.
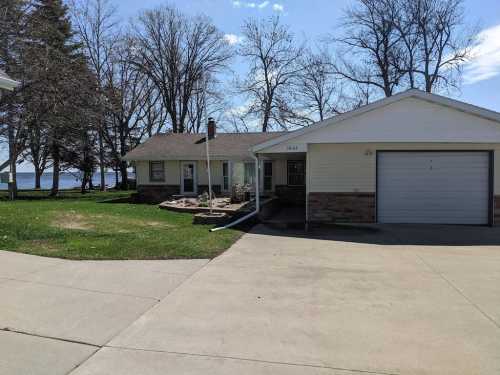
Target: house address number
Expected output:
[292,147]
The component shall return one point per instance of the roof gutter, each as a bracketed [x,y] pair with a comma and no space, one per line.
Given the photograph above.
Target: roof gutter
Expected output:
[257,201]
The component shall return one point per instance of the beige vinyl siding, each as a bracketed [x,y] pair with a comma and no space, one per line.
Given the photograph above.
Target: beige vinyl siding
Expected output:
[216,169]
[352,167]
[172,173]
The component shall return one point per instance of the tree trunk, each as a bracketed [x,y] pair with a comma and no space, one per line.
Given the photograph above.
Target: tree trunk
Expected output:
[84,183]
[56,169]
[124,174]
[38,178]
[13,158]
[13,183]
[101,162]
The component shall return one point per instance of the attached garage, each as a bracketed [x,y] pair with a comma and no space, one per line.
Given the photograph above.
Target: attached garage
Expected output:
[432,187]
[415,157]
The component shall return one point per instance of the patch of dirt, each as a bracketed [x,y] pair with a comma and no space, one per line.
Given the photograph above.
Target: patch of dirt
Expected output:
[75,221]
[44,245]
[155,224]
[72,220]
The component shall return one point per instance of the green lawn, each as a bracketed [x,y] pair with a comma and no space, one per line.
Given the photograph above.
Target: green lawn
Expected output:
[85,227]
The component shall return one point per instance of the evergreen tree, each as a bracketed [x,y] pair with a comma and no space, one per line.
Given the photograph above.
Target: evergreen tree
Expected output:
[61,83]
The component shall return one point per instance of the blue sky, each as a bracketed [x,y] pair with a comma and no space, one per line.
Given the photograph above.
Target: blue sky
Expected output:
[315,18]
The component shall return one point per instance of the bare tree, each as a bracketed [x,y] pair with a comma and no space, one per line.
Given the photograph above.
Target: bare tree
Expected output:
[437,41]
[373,45]
[208,98]
[130,101]
[273,56]
[318,90]
[37,137]
[176,51]
[96,26]
[400,44]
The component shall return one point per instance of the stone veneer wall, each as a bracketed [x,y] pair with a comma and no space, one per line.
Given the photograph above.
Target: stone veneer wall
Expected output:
[496,210]
[156,193]
[341,207]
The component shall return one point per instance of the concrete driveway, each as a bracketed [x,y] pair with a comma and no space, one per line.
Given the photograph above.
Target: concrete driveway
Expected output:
[54,313]
[380,300]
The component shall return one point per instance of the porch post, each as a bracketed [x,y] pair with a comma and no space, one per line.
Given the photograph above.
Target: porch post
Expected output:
[257,192]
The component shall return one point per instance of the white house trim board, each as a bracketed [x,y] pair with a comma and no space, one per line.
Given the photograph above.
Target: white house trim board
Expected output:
[483,126]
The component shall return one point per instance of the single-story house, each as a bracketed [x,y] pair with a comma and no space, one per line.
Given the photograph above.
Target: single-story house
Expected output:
[415,157]
[6,82]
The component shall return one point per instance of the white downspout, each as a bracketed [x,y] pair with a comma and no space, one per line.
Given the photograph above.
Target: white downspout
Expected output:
[257,183]
[257,200]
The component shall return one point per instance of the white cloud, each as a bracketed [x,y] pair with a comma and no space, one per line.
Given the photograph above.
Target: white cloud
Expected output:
[278,7]
[251,5]
[233,38]
[485,61]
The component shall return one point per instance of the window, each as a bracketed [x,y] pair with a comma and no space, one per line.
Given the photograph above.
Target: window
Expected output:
[249,178]
[296,172]
[156,171]
[268,175]
[225,176]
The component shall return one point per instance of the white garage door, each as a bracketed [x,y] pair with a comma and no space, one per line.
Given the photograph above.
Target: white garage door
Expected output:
[433,187]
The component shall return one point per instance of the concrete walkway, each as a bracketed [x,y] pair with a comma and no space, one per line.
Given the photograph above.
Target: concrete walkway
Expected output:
[382,300]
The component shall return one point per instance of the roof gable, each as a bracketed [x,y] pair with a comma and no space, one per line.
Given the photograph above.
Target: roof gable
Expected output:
[412,116]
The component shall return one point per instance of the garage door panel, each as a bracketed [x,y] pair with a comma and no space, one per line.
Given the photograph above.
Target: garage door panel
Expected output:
[433,187]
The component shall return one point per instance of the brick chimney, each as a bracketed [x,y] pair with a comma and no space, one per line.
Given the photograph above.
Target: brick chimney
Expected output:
[211,129]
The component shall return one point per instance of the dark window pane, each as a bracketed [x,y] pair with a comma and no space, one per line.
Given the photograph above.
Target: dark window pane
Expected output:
[268,168]
[156,171]
[268,175]
[249,174]
[296,172]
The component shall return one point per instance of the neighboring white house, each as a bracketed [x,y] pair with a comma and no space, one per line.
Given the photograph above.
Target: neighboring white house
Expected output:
[6,82]
[411,158]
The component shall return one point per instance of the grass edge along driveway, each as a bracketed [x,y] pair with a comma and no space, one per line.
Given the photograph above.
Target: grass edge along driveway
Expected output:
[85,227]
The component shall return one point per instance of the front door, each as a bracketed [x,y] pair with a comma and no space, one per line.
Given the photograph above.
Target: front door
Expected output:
[188,178]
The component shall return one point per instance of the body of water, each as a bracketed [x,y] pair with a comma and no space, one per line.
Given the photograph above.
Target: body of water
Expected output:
[26,180]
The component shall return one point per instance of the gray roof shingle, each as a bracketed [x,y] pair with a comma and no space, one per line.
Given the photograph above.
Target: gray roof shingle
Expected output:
[192,146]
